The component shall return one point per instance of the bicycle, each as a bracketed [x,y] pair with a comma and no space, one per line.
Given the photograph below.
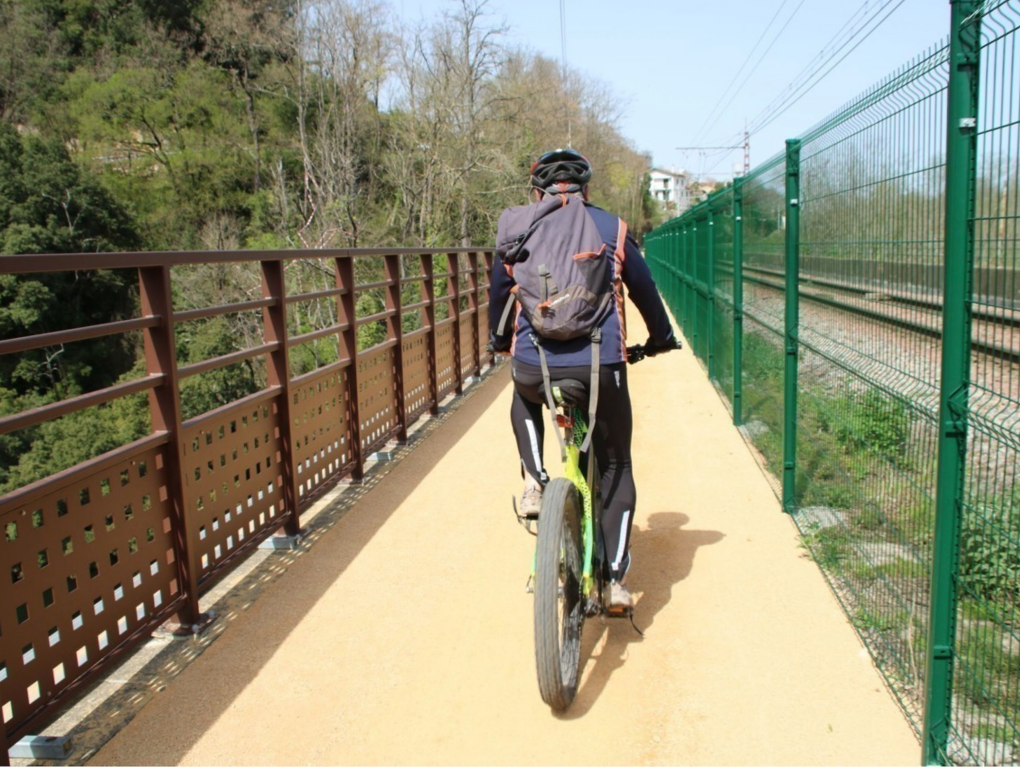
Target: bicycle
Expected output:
[567,578]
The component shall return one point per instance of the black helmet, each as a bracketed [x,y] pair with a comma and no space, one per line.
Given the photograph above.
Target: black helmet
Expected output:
[561,165]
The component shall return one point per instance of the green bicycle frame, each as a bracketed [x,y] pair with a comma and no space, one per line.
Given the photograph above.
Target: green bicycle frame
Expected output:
[572,471]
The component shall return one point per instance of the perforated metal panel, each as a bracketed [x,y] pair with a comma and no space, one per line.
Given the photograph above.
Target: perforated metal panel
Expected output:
[377,406]
[322,448]
[233,479]
[446,374]
[85,565]
[416,375]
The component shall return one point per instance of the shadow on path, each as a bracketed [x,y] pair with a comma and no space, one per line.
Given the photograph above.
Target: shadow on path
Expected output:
[663,555]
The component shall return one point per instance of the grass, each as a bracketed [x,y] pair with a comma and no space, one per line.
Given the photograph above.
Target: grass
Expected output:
[866,456]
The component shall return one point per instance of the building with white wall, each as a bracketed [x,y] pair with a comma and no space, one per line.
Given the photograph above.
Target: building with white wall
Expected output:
[670,189]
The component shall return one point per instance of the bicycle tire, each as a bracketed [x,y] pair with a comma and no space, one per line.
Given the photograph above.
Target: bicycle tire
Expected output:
[559,608]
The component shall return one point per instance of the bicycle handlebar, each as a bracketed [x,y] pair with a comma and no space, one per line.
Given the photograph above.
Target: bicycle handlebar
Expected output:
[638,352]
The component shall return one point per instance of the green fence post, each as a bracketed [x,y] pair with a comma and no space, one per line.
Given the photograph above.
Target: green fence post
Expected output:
[961,144]
[678,283]
[738,298]
[699,292]
[669,268]
[689,305]
[792,322]
[710,286]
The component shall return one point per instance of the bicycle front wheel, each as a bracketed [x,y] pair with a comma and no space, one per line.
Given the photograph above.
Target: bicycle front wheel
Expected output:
[559,605]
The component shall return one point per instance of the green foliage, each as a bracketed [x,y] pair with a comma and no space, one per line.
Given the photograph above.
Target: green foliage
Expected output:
[764,208]
[80,436]
[990,549]
[871,420]
[370,334]
[763,395]
[829,546]
[33,454]
[763,359]
[49,205]
[206,391]
[986,675]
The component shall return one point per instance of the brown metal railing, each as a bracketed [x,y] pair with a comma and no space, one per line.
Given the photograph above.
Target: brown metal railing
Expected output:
[95,557]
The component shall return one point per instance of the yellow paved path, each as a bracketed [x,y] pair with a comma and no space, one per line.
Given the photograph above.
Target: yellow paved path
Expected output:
[404,635]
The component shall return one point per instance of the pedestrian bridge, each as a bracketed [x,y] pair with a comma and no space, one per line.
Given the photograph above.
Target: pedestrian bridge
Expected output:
[397,628]
[285,535]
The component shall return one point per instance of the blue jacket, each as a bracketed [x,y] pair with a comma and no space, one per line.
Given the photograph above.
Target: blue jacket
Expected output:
[629,269]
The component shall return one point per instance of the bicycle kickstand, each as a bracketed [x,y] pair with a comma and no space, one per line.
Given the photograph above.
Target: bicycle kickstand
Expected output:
[630,615]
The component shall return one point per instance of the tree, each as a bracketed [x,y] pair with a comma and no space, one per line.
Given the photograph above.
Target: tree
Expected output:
[351,52]
[242,38]
[49,205]
[30,59]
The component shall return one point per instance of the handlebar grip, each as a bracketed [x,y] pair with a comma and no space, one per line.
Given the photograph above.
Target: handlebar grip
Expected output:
[636,353]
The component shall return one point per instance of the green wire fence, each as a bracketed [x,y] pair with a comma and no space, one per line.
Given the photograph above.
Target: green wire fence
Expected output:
[856,300]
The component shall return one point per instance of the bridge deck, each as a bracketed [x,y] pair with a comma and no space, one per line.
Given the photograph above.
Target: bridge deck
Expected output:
[403,634]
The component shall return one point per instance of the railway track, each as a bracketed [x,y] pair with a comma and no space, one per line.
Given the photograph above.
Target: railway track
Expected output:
[995,330]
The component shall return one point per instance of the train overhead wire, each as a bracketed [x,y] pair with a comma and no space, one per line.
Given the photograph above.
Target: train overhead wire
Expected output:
[698,133]
[771,113]
[757,64]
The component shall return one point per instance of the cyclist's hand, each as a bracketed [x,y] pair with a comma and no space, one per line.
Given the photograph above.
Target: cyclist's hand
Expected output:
[498,346]
[652,348]
[635,354]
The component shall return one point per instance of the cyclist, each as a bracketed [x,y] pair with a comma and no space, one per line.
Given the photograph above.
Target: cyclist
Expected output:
[560,172]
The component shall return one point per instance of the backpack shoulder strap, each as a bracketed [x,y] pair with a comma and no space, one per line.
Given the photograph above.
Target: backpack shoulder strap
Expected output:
[593,391]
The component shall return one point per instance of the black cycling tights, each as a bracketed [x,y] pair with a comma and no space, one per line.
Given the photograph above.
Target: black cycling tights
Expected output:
[612,436]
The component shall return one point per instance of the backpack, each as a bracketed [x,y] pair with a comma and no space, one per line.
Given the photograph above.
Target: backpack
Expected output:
[557,257]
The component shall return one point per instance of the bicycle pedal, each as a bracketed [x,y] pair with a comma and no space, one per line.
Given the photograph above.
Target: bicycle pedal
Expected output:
[623,613]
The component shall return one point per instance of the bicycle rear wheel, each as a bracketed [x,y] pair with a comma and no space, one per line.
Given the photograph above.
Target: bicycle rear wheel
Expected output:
[559,609]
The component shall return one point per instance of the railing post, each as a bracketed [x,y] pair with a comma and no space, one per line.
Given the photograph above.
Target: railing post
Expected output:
[453,296]
[710,278]
[738,300]
[165,410]
[274,321]
[428,288]
[489,261]
[792,322]
[347,309]
[394,302]
[473,304]
[961,144]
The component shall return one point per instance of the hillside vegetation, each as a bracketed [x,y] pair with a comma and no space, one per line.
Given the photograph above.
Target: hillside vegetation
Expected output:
[237,124]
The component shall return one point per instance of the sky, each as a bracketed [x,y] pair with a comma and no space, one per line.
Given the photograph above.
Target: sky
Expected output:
[685,71]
